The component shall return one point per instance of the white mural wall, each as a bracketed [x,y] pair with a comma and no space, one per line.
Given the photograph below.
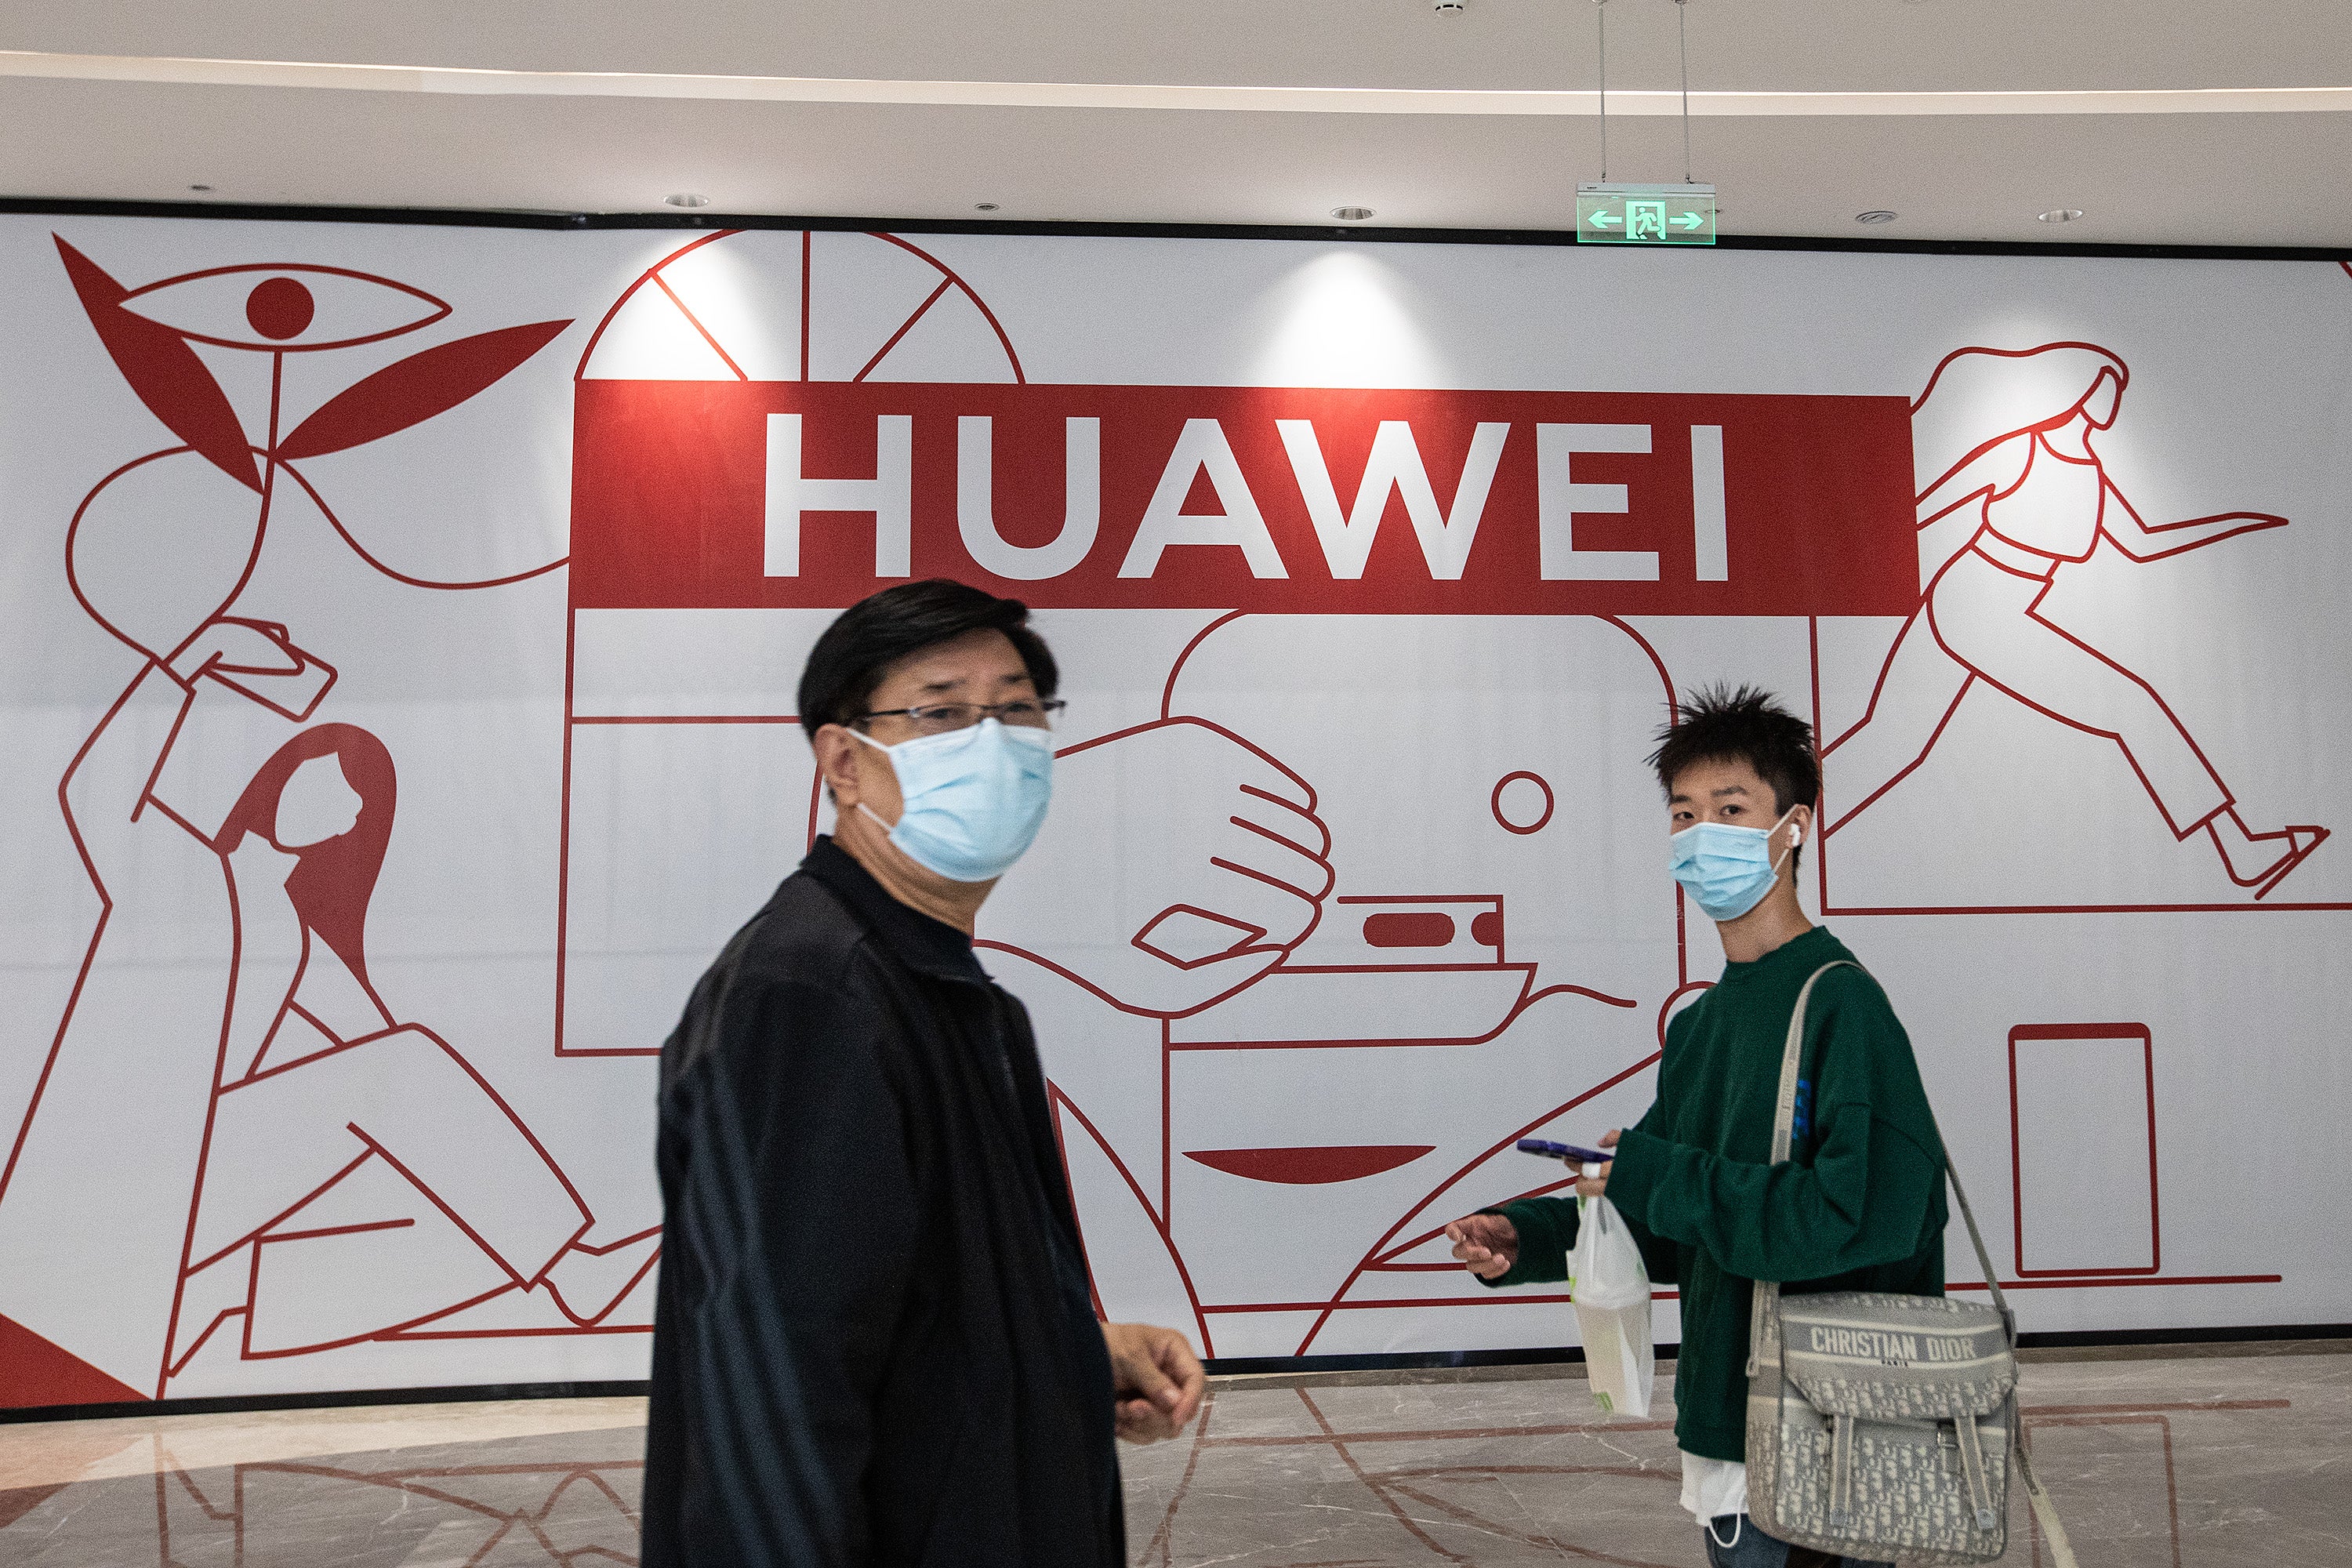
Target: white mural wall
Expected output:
[402,622]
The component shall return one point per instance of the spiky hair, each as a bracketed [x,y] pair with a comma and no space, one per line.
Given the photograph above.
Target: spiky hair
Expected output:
[1728,723]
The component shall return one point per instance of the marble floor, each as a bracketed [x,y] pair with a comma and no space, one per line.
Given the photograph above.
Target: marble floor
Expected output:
[2210,1459]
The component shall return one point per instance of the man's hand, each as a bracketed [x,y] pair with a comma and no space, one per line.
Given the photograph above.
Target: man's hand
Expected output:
[1594,1180]
[1487,1244]
[1157,1379]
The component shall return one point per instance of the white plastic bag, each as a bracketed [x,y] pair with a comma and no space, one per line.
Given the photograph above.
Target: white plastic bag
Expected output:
[1610,1288]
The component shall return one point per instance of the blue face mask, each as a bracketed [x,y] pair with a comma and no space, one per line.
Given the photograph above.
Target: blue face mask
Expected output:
[972,799]
[1726,870]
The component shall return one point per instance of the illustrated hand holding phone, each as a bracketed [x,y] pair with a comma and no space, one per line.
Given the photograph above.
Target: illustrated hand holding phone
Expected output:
[1181,863]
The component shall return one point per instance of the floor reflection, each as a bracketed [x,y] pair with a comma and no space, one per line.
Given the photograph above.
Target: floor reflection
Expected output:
[313,1514]
[2156,1463]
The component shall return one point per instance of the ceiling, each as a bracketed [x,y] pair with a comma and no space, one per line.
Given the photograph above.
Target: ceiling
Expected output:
[1069,139]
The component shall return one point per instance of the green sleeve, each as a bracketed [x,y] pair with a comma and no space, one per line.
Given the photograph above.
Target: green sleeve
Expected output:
[1862,1201]
[1658,1252]
[1547,1228]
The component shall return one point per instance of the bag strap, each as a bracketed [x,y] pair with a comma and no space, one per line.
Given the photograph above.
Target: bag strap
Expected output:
[1976,1236]
[1764,1302]
[2061,1550]
[1764,1312]
[1764,1320]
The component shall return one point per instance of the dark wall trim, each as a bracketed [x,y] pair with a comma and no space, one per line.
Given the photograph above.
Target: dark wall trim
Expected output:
[1568,1355]
[336,1399]
[459,218]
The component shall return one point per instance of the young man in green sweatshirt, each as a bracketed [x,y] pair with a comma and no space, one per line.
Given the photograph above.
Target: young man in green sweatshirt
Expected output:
[1859,1204]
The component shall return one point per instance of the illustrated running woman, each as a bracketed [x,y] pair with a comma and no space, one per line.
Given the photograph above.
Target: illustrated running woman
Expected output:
[2019,493]
[233,1123]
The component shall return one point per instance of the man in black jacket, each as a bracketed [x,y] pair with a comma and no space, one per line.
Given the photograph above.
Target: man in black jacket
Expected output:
[875,1342]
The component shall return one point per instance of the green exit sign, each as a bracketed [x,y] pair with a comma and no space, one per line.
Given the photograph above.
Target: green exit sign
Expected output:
[1646,214]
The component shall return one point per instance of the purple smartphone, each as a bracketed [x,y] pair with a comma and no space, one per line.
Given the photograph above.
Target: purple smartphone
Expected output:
[1551,1150]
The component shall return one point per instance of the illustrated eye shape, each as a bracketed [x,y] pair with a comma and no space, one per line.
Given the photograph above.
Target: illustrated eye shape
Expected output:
[296,306]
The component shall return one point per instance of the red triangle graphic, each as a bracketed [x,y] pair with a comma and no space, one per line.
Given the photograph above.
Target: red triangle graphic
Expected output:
[33,1372]
[1200,498]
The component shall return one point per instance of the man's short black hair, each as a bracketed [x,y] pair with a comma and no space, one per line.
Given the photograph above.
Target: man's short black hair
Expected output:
[866,639]
[1743,724]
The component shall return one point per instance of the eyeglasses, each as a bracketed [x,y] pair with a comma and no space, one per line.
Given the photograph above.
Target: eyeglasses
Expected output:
[945,718]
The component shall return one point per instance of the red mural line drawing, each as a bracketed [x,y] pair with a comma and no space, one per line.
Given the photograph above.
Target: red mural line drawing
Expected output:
[597,336]
[904,328]
[567,1041]
[1296,871]
[1185,655]
[281,314]
[1004,339]
[1311,1167]
[695,323]
[2053,1032]
[1543,818]
[1217,870]
[315,1136]
[2015,498]
[1063,1105]
[2109,1282]
[1373,1253]
[1383,1303]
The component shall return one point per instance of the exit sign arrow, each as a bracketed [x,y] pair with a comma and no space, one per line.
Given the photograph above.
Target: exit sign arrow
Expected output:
[1646,214]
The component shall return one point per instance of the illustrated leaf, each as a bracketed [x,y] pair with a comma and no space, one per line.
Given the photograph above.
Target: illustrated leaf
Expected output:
[413,390]
[162,370]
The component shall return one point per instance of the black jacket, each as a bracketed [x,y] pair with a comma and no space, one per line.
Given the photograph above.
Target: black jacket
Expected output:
[873,1342]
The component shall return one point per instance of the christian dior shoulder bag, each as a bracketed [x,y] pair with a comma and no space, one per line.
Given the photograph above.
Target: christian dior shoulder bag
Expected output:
[1883,1426]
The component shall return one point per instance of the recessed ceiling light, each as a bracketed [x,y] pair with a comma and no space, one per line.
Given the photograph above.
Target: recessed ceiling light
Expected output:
[687,199]
[1875,215]
[1352,215]
[2061,214]
[983,207]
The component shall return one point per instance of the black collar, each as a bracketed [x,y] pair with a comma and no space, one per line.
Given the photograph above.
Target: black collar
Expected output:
[923,944]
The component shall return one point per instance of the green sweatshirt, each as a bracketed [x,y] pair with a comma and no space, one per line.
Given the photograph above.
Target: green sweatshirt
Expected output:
[1859,1206]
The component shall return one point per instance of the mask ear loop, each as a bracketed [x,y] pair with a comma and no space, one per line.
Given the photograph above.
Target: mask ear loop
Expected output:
[1737,1521]
[870,815]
